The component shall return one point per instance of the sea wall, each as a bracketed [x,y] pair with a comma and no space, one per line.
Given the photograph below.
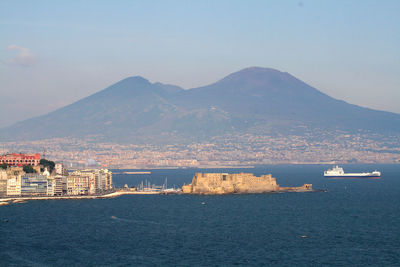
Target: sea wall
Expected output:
[303,188]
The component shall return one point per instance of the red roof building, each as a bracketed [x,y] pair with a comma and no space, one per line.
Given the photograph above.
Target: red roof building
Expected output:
[19,159]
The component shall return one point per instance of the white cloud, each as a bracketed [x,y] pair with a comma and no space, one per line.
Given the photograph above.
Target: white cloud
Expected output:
[23,57]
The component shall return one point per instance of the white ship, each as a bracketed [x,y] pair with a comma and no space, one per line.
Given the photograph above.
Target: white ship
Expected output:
[337,172]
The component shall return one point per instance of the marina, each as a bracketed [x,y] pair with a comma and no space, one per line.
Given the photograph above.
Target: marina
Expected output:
[147,187]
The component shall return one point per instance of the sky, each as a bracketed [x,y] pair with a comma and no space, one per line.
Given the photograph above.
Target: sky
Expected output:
[53,53]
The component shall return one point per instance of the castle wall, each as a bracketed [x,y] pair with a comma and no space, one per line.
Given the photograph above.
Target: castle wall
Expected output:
[224,183]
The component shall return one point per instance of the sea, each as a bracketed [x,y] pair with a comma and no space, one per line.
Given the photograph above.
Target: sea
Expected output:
[355,222]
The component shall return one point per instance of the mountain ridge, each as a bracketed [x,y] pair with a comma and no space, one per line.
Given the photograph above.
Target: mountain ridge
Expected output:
[254,99]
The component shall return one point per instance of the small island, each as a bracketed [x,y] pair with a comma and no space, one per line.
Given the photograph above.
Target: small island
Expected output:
[237,183]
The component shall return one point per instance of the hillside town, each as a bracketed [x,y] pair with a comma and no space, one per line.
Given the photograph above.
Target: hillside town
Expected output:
[28,175]
[317,147]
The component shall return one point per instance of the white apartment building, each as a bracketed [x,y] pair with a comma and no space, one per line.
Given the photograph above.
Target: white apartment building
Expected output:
[14,185]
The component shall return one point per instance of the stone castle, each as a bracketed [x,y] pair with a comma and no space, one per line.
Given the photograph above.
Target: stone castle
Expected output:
[237,183]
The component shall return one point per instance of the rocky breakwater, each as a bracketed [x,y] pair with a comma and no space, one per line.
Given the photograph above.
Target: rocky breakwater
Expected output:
[237,183]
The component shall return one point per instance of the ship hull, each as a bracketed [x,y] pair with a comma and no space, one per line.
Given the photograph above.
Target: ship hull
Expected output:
[353,176]
[338,173]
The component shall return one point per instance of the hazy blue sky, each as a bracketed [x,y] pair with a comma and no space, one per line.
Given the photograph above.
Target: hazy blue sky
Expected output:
[55,52]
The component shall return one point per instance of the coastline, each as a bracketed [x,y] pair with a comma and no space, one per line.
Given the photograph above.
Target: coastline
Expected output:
[9,200]
[16,200]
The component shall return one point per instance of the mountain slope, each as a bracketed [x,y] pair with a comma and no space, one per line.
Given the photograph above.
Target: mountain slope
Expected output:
[263,95]
[257,100]
[128,105]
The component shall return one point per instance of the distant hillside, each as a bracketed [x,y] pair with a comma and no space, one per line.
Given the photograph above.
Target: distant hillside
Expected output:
[256,100]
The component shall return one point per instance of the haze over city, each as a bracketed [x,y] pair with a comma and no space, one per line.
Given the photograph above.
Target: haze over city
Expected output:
[54,53]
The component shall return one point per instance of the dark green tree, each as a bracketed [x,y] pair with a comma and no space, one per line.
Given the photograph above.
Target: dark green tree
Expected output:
[29,169]
[3,166]
[47,163]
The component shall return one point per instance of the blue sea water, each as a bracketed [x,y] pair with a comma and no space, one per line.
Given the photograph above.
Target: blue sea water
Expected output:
[355,223]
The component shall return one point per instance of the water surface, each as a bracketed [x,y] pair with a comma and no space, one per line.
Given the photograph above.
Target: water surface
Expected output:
[357,222]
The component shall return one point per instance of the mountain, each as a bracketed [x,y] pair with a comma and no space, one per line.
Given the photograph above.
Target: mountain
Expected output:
[133,103]
[264,96]
[253,100]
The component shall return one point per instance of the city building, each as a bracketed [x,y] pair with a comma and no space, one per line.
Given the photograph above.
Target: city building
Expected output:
[51,186]
[14,180]
[99,180]
[77,185]
[59,168]
[108,184]
[34,184]
[20,159]
[90,177]
[59,182]
[3,182]
[14,185]
[103,180]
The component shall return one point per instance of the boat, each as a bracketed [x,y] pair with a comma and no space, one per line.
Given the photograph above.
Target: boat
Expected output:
[338,172]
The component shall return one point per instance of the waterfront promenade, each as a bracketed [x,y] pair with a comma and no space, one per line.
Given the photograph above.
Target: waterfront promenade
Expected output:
[9,200]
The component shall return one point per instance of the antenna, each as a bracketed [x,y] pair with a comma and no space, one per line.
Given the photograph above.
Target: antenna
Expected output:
[44,153]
